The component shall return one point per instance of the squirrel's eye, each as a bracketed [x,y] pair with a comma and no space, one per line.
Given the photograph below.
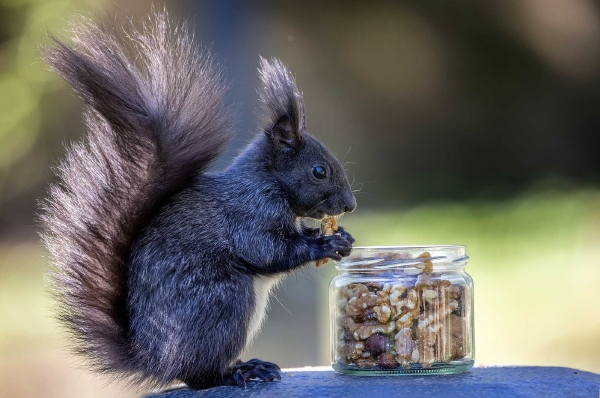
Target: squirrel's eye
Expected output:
[319,172]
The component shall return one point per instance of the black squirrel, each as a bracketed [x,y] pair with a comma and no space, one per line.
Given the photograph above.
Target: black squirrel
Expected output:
[163,270]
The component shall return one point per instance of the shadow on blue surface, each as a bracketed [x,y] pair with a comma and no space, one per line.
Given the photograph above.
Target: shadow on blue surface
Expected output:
[478,382]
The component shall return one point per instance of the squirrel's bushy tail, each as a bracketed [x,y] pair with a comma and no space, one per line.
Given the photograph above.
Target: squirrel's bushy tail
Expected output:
[155,120]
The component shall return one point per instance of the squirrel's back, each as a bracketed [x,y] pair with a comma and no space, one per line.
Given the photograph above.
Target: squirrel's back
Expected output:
[154,121]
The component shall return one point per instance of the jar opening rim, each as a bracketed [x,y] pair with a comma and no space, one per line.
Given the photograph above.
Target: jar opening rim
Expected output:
[391,257]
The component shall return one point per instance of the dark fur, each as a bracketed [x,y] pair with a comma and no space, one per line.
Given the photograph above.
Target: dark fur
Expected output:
[155,259]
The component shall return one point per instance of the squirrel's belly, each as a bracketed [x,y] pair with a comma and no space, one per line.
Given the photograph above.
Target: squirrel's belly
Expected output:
[262,288]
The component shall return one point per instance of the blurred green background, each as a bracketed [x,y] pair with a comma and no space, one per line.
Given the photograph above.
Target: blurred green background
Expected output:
[462,123]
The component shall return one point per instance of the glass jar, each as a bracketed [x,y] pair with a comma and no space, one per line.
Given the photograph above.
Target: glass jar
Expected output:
[402,310]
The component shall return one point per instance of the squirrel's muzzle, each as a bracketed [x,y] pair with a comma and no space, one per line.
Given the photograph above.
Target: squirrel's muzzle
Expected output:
[350,204]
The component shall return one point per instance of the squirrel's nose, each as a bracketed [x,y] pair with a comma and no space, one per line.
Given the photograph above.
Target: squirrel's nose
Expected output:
[350,206]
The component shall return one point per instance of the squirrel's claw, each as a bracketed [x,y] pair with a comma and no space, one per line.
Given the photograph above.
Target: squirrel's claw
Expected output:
[238,378]
[335,246]
[255,369]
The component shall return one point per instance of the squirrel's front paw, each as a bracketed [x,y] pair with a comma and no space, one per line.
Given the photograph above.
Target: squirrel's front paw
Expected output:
[345,234]
[335,246]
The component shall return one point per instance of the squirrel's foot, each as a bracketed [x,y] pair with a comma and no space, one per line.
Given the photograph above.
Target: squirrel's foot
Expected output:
[254,369]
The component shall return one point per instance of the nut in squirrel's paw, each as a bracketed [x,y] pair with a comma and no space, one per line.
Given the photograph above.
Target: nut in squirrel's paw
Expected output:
[328,227]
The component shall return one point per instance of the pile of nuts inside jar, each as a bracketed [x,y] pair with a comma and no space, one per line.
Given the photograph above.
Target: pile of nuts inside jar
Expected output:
[417,321]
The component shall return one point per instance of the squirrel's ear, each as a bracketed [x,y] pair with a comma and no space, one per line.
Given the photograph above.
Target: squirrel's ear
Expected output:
[282,104]
[284,133]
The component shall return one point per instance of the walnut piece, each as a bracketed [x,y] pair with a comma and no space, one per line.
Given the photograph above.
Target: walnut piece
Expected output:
[358,305]
[428,264]
[404,347]
[454,292]
[362,331]
[396,291]
[405,321]
[328,227]
[351,350]
[430,295]
[383,313]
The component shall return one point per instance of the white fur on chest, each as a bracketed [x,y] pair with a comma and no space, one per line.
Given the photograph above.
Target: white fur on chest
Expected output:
[262,289]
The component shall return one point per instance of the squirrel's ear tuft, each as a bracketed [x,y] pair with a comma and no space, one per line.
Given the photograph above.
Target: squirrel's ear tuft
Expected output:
[283,108]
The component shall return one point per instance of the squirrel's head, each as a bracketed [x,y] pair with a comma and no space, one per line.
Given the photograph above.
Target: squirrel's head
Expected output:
[313,180]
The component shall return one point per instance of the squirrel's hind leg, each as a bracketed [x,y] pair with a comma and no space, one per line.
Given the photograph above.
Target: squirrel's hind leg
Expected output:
[242,372]
[237,375]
